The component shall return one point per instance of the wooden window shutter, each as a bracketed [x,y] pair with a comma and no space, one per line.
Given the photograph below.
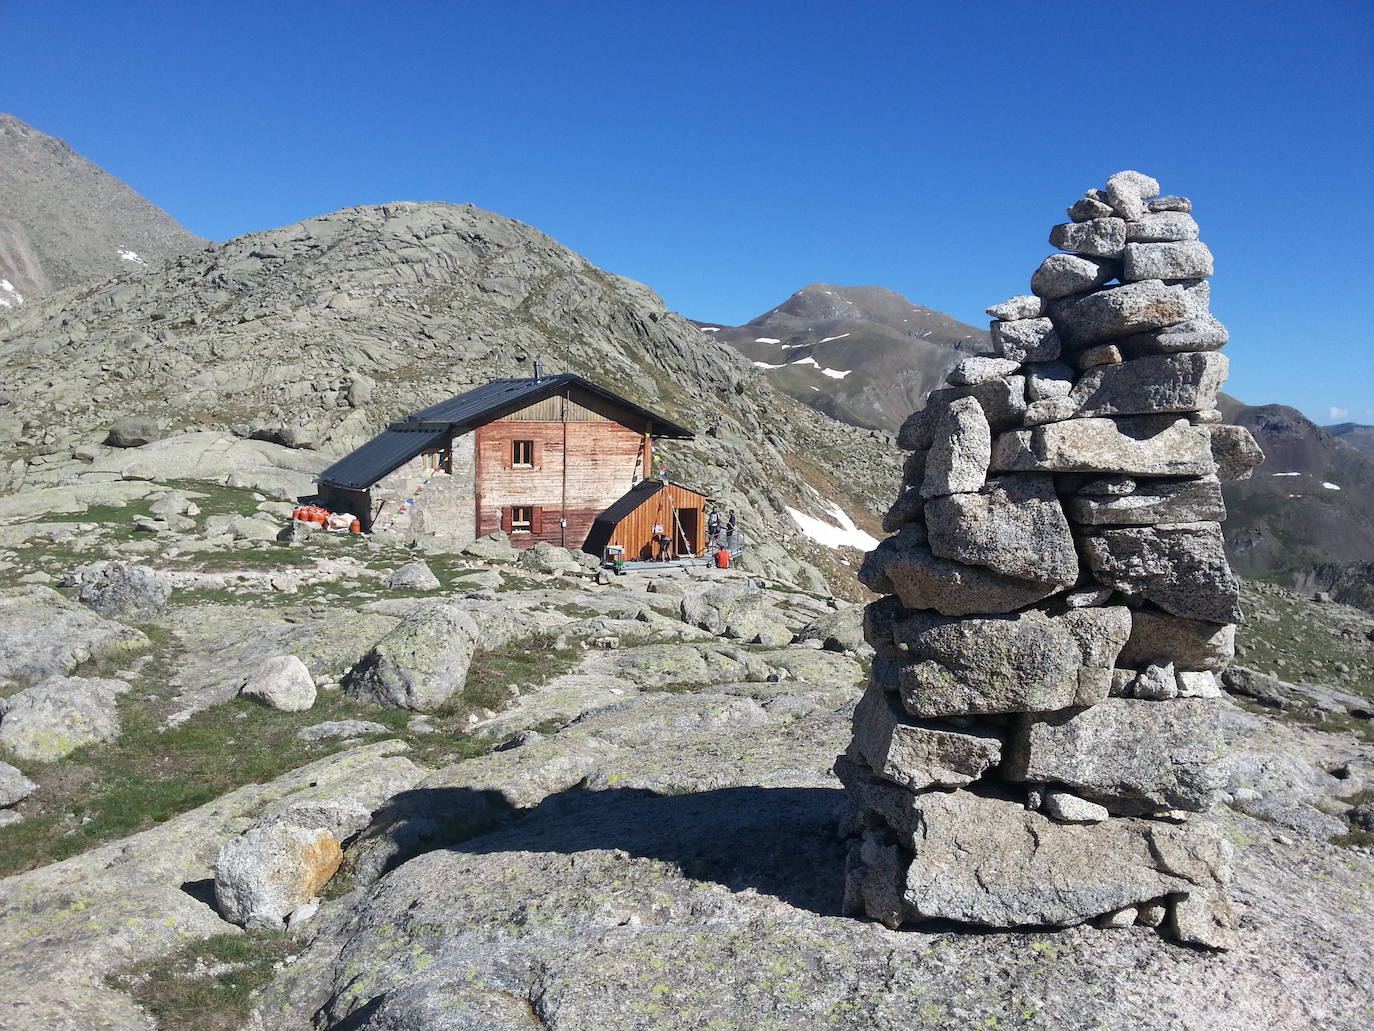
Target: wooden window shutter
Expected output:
[537,517]
[537,456]
[507,519]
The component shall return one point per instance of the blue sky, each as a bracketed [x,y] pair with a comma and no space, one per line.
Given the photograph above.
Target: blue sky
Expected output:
[728,154]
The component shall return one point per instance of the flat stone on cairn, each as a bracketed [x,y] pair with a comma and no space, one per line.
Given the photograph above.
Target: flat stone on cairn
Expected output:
[1042,712]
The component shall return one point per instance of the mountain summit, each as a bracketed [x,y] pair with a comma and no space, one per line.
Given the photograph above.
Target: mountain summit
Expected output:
[66,221]
[865,355]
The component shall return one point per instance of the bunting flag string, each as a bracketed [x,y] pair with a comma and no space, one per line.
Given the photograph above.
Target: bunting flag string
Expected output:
[656,460]
[405,505]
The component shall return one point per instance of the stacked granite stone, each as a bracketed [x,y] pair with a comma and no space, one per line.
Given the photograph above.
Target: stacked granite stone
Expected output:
[1042,712]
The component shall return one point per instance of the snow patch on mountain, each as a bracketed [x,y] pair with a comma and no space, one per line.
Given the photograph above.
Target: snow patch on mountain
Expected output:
[842,533]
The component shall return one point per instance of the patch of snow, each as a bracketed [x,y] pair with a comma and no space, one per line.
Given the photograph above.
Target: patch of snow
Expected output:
[1331,486]
[1285,474]
[788,347]
[765,365]
[767,340]
[9,296]
[806,361]
[131,256]
[710,329]
[842,533]
[840,337]
[836,373]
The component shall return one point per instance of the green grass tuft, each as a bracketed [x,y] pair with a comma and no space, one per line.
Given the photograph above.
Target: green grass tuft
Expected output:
[209,985]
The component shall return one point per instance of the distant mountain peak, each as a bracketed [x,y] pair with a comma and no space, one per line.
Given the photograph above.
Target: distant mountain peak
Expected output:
[865,355]
[67,221]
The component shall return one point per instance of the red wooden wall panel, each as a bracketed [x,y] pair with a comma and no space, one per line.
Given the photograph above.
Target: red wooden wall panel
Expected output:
[601,460]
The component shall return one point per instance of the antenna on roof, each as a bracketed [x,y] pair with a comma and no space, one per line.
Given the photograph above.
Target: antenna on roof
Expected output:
[536,369]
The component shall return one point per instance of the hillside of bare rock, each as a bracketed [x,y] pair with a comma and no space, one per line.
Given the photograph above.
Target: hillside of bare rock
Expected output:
[65,221]
[621,811]
[863,355]
[317,335]
[1305,517]
[1357,436]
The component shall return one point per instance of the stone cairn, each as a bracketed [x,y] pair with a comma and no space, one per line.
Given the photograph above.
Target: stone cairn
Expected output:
[1042,713]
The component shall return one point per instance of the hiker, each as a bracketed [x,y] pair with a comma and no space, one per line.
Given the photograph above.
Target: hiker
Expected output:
[732,525]
[713,524]
[665,547]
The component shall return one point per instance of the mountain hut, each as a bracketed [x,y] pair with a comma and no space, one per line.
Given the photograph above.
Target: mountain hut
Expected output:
[540,458]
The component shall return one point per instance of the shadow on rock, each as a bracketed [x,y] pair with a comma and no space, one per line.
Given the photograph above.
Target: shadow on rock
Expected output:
[776,841]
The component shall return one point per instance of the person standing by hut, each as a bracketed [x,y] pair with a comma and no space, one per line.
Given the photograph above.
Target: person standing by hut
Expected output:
[664,542]
[713,525]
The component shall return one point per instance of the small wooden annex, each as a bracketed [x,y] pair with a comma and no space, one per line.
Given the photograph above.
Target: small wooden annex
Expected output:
[650,508]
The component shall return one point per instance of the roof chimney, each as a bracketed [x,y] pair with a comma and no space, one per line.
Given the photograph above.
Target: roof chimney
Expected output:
[536,370]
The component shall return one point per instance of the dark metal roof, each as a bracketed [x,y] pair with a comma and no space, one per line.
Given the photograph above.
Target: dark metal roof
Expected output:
[631,500]
[431,427]
[384,453]
[503,396]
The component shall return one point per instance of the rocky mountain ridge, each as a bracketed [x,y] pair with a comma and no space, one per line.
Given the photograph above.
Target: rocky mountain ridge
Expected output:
[1357,436]
[66,221]
[864,355]
[1306,515]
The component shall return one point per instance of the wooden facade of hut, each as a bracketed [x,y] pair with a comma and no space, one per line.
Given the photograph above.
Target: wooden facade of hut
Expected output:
[539,458]
[647,510]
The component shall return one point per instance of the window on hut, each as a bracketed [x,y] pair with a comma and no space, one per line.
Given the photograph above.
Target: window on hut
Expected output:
[522,454]
[521,519]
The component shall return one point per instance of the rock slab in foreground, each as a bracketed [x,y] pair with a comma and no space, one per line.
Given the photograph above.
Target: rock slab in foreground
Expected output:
[52,719]
[43,634]
[992,863]
[420,663]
